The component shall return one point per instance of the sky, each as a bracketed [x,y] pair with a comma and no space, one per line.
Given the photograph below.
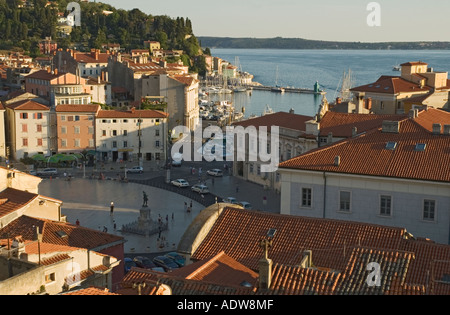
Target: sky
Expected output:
[329,20]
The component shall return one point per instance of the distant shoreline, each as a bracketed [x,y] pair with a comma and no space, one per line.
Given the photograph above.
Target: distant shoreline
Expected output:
[299,43]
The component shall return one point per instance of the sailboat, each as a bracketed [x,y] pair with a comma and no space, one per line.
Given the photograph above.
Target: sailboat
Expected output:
[347,83]
[239,87]
[277,88]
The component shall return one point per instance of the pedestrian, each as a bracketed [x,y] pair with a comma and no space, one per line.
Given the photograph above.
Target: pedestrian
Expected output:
[105,230]
[167,218]
[173,216]
[185,206]
[78,222]
[115,225]
[112,208]
[191,204]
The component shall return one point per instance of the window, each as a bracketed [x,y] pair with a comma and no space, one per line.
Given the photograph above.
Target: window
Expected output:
[391,146]
[381,105]
[421,147]
[77,118]
[50,278]
[125,121]
[91,143]
[39,142]
[91,130]
[69,118]
[429,209]
[63,118]
[23,115]
[114,144]
[125,144]
[76,130]
[306,197]
[25,142]
[24,128]
[157,144]
[77,143]
[344,201]
[63,143]
[385,205]
[157,156]
[251,168]
[104,133]
[63,130]
[125,133]
[39,128]
[157,132]
[114,132]
[39,116]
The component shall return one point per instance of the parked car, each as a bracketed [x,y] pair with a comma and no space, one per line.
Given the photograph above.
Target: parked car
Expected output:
[177,160]
[201,189]
[47,172]
[215,172]
[230,200]
[245,205]
[135,170]
[32,172]
[176,163]
[165,262]
[129,263]
[144,262]
[179,260]
[180,183]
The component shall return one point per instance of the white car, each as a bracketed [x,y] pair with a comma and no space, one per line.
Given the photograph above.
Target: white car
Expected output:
[201,189]
[245,205]
[231,200]
[136,170]
[47,172]
[180,183]
[215,172]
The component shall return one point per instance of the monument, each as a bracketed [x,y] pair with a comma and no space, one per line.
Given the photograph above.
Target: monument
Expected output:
[144,224]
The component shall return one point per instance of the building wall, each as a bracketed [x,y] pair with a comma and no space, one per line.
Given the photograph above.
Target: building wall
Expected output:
[2,135]
[407,201]
[17,284]
[76,132]
[18,133]
[127,130]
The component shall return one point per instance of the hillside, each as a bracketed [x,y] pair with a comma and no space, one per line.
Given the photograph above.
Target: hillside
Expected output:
[300,43]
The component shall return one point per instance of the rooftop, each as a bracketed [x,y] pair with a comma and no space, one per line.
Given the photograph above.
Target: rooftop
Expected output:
[28,105]
[392,85]
[404,161]
[281,119]
[145,113]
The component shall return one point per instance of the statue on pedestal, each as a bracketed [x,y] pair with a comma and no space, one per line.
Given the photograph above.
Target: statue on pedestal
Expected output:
[145,204]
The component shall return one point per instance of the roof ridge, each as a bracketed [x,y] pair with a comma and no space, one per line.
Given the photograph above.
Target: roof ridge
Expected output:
[208,263]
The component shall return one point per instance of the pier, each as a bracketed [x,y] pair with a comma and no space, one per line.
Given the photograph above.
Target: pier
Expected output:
[286,90]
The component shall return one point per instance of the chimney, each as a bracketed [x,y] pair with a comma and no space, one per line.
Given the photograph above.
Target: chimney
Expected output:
[337,161]
[56,71]
[338,100]
[354,132]
[133,110]
[330,138]
[49,70]
[391,126]
[437,129]
[307,259]
[446,130]
[291,111]
[18,246]
[265,266]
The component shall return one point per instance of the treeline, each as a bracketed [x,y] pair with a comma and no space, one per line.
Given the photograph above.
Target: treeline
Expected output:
[22,27]
[299,43]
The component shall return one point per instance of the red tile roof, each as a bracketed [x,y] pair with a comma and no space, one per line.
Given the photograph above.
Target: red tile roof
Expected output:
[341,124]
[433,164]
[28,105]
[414,63]
[77,236]
[185,79]
[44,75]
[13,199]
[219,269]
[392,85]
[238,232]
[281,119]
[91,291]
[89,57]
[91,108]
[147,113]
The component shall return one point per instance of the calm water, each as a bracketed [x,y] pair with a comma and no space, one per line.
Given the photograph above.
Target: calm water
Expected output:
[302,68]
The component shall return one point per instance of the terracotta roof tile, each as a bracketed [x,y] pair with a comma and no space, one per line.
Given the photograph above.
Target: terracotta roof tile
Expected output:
[13,199]
[28,105]
[219,269]
[238,232]
[433,164]
[75,236]
[44,75]
[131,114]
[91,291]
[392,85]
[281,119]
[90,108]
[341,124]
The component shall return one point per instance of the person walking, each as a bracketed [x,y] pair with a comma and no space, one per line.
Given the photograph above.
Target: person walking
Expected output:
[78,222]
[112,208]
